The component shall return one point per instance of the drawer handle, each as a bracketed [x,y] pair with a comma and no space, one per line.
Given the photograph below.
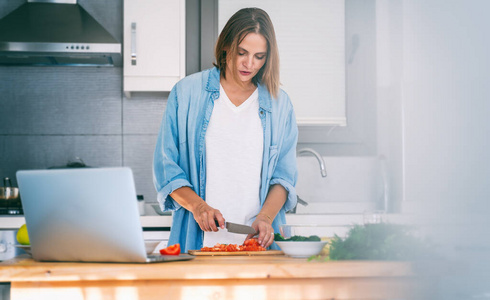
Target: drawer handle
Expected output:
[133,44]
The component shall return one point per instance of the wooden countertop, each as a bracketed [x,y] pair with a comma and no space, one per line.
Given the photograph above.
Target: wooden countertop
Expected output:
[218,277]
[24,268]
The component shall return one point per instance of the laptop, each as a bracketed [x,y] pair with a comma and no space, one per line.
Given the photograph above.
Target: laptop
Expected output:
[84,215]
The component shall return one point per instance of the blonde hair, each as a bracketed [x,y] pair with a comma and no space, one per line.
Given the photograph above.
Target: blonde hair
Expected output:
[243,22]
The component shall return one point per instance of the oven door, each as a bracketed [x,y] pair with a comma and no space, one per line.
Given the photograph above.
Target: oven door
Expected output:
[8,238]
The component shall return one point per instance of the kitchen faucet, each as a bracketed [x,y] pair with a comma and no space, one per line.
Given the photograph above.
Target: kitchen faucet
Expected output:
[318,157]
[322,169]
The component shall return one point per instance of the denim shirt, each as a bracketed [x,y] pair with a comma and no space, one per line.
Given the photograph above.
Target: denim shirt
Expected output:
[179,158]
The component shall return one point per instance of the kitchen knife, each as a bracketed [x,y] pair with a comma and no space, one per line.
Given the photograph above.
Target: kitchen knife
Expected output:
[238,228]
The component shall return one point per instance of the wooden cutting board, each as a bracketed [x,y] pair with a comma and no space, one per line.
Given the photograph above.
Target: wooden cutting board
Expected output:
[237,253]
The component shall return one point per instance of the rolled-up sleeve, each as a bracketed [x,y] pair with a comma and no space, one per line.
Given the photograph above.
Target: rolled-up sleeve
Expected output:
[167,174]
[286,171]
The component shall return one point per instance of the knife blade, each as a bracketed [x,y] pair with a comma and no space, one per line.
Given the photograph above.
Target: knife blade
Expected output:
[239,228]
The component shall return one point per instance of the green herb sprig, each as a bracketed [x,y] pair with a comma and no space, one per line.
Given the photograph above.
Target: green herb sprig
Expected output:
[380,241]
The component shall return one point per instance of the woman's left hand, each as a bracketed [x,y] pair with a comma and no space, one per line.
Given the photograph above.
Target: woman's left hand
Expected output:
[263,227]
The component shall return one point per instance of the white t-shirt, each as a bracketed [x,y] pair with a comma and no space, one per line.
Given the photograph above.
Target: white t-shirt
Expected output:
[234,149]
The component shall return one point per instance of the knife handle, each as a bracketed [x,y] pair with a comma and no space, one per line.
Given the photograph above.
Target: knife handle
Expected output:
[217,223]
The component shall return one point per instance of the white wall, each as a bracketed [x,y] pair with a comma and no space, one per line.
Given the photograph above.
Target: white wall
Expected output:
[445,96]
[352,185]
[433,89]
[389,43]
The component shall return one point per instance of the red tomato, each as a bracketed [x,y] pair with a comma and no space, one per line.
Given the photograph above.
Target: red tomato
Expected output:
[248,245]
[171,250]
[251,242]
[252,245]
[231,248]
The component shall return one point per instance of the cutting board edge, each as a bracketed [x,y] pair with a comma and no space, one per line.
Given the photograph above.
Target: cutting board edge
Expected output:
[238,253]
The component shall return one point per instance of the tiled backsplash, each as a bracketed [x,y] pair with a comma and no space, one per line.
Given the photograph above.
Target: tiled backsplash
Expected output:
[50,115]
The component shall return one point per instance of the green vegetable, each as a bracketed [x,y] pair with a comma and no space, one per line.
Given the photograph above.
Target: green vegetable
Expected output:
[278,237]
[296,238]
[382,241]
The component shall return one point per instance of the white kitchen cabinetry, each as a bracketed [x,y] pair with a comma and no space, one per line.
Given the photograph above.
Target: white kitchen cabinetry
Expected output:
[154,45]
[311,41]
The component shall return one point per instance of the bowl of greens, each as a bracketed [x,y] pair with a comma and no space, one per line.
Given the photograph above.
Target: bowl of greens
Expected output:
[301,249]
[300,241]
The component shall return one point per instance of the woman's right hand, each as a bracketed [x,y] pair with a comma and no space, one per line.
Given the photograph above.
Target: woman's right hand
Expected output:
[207,217]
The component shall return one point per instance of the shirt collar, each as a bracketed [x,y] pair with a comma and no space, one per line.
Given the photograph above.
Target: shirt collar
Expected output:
[213,86]
[264,98]
[213,80]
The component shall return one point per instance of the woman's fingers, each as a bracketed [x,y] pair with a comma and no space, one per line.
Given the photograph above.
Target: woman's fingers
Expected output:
[251,235]
[204,221]
[270,239]
[266,237]
[208,218]
[265,232]
[219,219]
[212,222]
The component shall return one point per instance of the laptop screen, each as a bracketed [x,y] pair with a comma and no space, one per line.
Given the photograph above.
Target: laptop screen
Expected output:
[86,214]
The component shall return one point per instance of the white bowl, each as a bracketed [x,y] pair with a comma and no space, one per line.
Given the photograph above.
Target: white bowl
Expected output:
[306,230]
[26,248]
[301,249]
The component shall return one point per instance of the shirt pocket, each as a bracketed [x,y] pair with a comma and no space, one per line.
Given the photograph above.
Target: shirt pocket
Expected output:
[273,156]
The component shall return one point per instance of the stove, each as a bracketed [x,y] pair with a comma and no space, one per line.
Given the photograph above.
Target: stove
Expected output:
[11,207]
[10,203]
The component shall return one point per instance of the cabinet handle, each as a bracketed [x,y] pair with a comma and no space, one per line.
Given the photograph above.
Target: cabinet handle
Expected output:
[133,44]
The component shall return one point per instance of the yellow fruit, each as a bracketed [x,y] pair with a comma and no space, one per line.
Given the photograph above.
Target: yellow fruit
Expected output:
[22,236]
[326,249]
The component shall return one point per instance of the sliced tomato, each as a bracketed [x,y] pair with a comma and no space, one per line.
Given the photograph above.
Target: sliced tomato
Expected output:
[171,250]
[248,245]
[231,248]
[251,242]
[252,245]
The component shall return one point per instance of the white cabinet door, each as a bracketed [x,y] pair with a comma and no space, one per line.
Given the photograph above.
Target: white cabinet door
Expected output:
[311,41]
[154,44]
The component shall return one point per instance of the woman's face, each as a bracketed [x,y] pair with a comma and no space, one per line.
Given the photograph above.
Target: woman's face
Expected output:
[251,56]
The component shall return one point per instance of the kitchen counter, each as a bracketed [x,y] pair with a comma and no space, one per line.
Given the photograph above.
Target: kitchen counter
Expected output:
[14,222]
[231,277]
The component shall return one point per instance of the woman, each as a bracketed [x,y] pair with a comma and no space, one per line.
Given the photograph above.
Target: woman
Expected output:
[227,143]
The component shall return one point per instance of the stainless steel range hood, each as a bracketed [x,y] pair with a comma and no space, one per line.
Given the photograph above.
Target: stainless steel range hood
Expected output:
[56,33]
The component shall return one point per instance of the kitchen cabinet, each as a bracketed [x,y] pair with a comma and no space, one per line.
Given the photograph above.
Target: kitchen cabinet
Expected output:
[154,45]
[313,69]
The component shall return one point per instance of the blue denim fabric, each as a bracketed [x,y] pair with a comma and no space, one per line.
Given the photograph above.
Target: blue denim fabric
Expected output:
[179,158]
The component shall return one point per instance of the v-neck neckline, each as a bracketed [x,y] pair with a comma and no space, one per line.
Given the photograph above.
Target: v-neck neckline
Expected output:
[240,107]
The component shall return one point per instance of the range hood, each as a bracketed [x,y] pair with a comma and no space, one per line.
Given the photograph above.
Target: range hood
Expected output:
[56,33]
